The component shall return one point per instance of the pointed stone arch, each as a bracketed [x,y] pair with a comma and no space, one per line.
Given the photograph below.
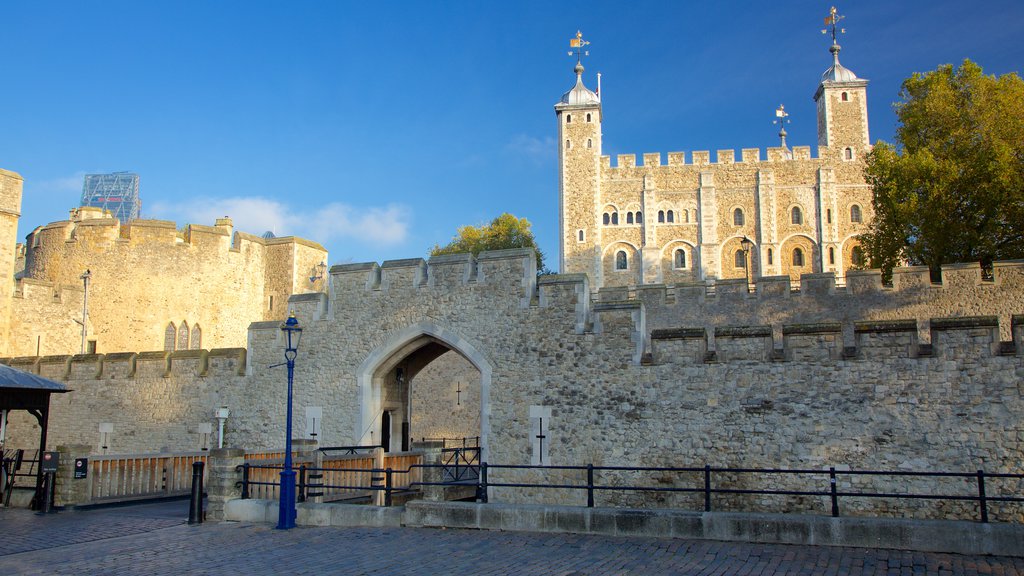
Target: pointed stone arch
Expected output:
[400,346]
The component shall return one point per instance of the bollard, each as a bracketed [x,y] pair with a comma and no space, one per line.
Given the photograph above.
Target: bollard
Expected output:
[46,506]
[195,505]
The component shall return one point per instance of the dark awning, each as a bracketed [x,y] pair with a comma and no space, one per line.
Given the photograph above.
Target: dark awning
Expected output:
[20,390]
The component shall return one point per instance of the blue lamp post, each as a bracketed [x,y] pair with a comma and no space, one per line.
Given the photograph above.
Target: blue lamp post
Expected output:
[286,515]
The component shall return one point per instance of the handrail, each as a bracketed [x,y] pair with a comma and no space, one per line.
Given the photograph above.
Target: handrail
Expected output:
[705,478]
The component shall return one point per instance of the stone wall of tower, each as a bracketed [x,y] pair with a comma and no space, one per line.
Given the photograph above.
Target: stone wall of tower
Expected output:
[703,198]
[10,210]
[579,130]
[843,120]
[147,275]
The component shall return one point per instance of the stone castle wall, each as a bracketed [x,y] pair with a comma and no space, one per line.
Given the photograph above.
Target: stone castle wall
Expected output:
[10,210]
[635,380]
[704,197]
[146,275]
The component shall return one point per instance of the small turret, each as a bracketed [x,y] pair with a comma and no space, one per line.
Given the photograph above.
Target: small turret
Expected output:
[579,154]
[842,104]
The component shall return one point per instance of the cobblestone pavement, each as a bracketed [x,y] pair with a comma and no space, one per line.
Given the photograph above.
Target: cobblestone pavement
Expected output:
[155,540]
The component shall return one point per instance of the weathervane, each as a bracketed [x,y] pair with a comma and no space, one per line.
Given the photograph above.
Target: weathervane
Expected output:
[782,118]
[577,45]
[832,20]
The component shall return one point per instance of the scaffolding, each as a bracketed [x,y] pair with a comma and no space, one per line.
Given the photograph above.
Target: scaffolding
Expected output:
[117,192]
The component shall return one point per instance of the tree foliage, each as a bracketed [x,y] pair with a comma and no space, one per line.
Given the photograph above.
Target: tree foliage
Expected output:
[952,188]
[504,232]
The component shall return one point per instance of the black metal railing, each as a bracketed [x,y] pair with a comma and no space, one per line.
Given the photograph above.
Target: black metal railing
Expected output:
[705,483]
[460,464]
[15,464]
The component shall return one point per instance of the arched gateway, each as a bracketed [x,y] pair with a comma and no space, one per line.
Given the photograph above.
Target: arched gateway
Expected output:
[423,357]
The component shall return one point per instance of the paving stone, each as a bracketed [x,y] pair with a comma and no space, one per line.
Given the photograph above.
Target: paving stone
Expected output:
[155,540]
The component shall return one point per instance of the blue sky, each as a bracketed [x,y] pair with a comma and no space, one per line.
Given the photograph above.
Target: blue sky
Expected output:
[378,128]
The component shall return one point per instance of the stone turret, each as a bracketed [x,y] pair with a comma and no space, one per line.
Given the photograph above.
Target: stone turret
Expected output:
[579,157]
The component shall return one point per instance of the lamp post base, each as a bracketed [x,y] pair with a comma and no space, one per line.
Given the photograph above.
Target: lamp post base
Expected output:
[286,514]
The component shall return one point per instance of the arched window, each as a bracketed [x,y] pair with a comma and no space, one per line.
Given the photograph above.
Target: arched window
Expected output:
[170,337]
[661,216]
[798,257]
[183,336]
[769,256]
[686,216]
[621,263]
[568,144]
[831,255]
[197,337]
[606,219]
[737,217]
[639,217]
[629,217]
[857,256]
[848,153]
[590,143]
[846,97]
[588,116]
[615,218]
[568,118]
[739,259]
[855,215]
[679,261]
[580,235]
[670,217]
[797,215]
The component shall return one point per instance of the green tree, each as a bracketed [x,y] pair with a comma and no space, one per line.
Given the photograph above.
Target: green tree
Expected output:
[952,188]
[505,231]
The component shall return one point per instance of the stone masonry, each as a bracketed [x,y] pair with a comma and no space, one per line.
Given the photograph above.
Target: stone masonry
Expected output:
[917,376]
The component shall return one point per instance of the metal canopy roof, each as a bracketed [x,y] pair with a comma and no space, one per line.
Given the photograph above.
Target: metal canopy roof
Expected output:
[14,378]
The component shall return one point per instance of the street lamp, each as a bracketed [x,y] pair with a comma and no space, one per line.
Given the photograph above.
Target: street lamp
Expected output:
[747,244]
[287,513]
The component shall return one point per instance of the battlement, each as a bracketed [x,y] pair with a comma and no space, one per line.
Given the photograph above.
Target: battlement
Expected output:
[962,292]
[703,158]
[91,228]
[514,269]
[214,363]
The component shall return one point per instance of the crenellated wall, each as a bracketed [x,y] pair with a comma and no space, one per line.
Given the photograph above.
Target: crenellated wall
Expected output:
[917,376]
[147,274]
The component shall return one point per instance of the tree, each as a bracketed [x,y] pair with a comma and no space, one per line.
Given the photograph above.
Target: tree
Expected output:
[952,188]
[505,231]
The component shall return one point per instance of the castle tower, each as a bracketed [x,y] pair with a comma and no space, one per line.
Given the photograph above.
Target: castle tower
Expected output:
[10,211]
[842,101]
[579,176]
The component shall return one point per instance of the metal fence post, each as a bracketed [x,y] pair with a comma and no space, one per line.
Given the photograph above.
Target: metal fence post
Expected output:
[832,488]
[245,481]
[302,483]
[982,501]
[481,484]
[590,485]
[387,487]
[707,488]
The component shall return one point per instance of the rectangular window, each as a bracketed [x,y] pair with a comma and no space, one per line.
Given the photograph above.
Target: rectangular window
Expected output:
[90,347]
